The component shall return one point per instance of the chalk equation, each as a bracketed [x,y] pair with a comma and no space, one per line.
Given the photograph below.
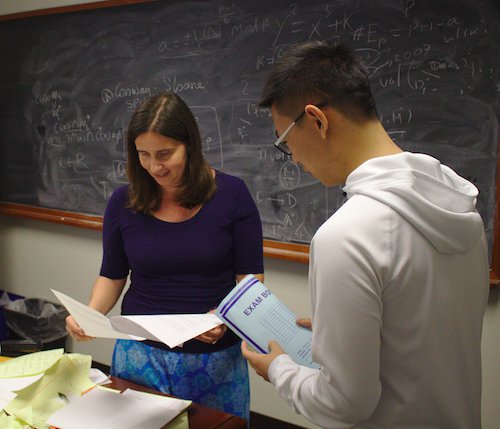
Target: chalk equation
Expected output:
[434,74]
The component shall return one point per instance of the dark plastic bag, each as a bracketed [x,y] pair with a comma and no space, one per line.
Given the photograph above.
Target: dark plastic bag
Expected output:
[5,298]
[38,320]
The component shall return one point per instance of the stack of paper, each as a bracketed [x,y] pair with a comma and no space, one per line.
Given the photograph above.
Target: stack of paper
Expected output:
[38,381]
[45,388]
[103,408]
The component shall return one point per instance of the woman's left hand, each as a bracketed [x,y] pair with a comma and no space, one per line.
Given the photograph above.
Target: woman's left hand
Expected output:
[213,335]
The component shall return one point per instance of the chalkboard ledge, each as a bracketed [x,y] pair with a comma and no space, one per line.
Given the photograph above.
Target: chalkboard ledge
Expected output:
[273,249]
[51,215]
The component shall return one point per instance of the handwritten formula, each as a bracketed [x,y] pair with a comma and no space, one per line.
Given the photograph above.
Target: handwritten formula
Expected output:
[76,78]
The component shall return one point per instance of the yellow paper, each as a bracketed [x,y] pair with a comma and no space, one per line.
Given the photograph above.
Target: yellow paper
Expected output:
[10,422]
[30,364]
[25,415]
[180,422]
[37,402]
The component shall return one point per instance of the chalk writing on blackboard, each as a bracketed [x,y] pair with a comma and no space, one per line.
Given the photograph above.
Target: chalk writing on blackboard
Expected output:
[72,81]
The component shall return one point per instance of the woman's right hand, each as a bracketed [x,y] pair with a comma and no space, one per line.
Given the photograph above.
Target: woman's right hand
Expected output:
[104,295]
[75,331]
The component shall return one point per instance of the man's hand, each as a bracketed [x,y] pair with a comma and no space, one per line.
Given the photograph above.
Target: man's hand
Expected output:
[261,362]
[305,322]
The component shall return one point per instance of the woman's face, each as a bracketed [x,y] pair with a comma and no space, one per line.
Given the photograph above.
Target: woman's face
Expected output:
[162,157]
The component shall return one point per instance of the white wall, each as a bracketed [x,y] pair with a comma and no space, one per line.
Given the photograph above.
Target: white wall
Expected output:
[36,256]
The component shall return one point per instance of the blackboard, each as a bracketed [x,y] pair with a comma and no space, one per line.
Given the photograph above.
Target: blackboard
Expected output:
[71,77]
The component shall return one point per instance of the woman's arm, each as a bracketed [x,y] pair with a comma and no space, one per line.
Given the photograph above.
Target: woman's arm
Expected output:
[105,294]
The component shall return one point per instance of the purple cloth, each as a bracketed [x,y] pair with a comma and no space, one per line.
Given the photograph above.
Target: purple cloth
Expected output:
[184,267]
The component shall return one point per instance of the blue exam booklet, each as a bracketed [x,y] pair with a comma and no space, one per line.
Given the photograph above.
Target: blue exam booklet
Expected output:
[257,316]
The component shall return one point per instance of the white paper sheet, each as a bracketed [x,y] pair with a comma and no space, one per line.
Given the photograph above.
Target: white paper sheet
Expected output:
[5,397]
[171,329]
[92,410]
[17,383]
[98,377]
[93,323]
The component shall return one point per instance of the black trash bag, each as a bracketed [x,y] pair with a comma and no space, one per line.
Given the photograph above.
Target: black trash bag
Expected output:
[37,320]
[5,298]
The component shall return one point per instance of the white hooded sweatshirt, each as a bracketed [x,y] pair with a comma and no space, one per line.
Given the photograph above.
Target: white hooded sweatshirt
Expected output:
[399,281]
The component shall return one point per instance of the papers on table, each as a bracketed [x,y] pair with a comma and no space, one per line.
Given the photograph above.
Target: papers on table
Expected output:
[17,383]
[257,316]
[180,422]
[102,409]
[98,377]
[10,422]
[10,385]
[30,364]
[31,400]
[31,386]
[171,329]
[5,397]
[68,377]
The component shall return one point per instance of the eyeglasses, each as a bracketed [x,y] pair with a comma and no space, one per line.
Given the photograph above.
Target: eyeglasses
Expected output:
[281,143]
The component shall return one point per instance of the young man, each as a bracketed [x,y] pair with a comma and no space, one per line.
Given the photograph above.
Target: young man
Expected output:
[399,275]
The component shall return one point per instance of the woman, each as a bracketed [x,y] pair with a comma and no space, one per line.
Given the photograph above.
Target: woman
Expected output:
[186,233]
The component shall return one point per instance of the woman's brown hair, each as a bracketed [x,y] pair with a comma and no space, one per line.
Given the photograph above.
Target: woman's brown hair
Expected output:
[168,115]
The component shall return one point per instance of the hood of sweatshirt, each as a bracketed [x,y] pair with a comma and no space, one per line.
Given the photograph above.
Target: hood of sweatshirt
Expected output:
[429,195]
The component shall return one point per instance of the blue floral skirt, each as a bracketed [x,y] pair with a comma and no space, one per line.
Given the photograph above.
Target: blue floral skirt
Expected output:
[217,380]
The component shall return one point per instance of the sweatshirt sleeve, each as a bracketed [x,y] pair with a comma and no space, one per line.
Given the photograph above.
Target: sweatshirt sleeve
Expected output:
[347,269]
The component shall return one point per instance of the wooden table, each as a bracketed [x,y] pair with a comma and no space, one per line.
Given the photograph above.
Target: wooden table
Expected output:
[200,417]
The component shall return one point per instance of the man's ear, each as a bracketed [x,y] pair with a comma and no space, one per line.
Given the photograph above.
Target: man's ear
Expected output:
[318,118]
